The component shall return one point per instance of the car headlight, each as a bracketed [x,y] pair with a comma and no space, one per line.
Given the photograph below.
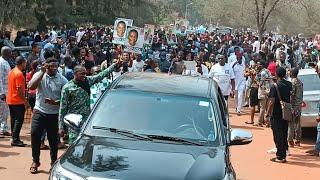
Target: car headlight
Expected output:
[59,173]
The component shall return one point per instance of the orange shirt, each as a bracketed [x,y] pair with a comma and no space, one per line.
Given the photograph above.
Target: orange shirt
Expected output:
[15,80]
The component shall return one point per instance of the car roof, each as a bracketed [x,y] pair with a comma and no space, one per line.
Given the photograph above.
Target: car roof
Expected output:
[307,72]
[22,48]
[169,84]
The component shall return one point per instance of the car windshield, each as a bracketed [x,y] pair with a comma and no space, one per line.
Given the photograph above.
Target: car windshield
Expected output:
[311,82]
[146,113]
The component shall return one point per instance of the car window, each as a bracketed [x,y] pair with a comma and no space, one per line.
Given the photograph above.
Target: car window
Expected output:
[311,82]
[157,114]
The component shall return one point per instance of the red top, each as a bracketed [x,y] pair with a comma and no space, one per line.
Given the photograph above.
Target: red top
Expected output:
[272,68]
[28,78]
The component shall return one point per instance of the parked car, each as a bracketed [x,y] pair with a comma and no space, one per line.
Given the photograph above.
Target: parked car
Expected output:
[153,126]
[24,51]
[311,97]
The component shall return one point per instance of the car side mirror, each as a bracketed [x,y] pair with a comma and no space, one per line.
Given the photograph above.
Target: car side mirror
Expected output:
[240,137]
[73,121]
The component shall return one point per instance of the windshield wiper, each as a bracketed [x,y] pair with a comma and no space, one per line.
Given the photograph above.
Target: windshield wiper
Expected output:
[175,139]
[123,132]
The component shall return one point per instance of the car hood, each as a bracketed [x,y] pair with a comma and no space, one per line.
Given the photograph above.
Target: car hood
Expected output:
[98,157]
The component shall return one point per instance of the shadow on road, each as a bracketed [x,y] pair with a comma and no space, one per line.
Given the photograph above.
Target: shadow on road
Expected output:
[43,172]
[6,154]
[304,164]
[247,127]
[5,146]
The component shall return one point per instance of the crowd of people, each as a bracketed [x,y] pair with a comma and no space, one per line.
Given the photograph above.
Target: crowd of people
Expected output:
[67,71]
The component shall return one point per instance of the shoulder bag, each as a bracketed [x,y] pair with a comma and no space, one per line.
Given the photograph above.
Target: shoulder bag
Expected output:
[285,107]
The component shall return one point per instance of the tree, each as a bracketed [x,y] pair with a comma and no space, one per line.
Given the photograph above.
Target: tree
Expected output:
[16,13]
[262,13]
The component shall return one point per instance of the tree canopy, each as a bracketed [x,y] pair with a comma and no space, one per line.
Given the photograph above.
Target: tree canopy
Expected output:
[288,16]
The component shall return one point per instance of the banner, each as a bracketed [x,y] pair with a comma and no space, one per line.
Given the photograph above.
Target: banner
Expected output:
[120,30]
[135,39]
[171,35]
[148,33]
[180,26]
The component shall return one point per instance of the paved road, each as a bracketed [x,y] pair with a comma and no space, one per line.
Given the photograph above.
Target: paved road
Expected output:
[251,162]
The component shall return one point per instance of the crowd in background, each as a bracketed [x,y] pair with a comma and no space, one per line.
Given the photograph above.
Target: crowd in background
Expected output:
[68,69]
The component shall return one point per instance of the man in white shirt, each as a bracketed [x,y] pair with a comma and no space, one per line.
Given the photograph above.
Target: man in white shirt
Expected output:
[79,34]
[233,58]
[137,64]
[4,71]
[223,74]
[256,45]
[238,68]
[54,35]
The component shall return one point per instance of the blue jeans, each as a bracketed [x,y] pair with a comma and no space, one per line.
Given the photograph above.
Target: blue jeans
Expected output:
[317,147]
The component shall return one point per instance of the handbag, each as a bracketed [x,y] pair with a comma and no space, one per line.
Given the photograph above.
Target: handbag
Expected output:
[285,107]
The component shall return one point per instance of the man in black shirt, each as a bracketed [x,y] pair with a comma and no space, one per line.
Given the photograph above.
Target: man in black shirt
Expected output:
[274,112]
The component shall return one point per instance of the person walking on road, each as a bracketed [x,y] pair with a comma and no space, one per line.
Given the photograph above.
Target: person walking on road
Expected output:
[238,68]
[297,99]
[17,100]
[49,84]
[223,74]
[274,112]
[263,79]
[4,109]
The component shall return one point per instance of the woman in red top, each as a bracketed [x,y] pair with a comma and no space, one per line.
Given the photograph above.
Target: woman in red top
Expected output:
[32,93]
[272,64]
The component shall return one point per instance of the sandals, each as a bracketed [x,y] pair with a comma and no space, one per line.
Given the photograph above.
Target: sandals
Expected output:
[34,168]
[249,122]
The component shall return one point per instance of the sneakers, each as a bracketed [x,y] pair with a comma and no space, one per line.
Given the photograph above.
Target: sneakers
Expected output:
[18,144]
[272,151]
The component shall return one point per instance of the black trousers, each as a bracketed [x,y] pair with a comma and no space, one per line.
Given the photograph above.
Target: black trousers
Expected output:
[40,122]
[17,118]
[280,136]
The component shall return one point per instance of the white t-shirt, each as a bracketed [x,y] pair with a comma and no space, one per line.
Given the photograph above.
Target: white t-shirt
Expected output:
[79,35]
[238,70]
[256,46]
[137,66]
[232,58]
[223,76]
[54,36]
[192,72]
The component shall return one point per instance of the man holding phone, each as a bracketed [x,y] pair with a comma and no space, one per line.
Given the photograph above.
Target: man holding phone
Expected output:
[49,84]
